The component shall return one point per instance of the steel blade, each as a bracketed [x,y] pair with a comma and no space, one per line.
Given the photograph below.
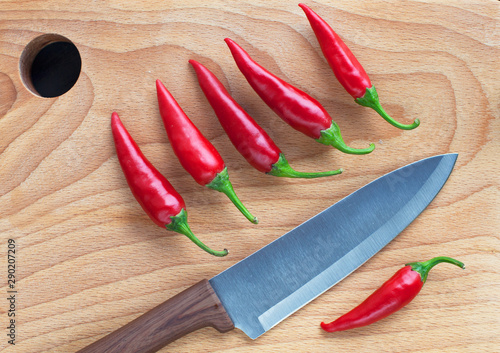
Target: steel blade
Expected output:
[272,283]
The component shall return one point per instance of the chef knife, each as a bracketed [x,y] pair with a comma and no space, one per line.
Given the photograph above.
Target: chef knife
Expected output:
[258,292]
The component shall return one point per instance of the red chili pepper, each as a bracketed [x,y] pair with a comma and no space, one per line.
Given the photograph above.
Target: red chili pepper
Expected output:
[347,68]
[295,107]
[245,134]
[394,294]
[151,189]
[196,154]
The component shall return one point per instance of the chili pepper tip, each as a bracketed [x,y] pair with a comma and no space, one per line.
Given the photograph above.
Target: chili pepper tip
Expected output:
[327,327]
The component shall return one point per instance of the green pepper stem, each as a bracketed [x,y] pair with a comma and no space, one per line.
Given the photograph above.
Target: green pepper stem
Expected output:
[333,137]
[424,267]
[222,184]
[282,169]
[179,224]
[371,100]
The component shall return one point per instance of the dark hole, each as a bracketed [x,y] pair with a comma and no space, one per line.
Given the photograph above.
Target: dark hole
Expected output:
[55,69]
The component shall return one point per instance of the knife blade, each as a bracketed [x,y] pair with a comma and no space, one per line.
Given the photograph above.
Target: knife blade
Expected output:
[263,289]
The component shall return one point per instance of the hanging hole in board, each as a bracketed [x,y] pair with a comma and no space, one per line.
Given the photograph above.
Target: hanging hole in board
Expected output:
[50,65]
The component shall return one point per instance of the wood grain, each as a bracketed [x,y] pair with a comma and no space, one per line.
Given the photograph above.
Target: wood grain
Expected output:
[89,260]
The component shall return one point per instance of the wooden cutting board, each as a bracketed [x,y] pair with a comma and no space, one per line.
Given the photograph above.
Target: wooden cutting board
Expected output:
[88,260]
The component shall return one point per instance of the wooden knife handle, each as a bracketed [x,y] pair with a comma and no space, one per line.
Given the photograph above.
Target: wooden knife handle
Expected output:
[190,310]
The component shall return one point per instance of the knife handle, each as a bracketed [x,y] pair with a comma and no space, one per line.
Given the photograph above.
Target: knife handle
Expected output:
[190,310]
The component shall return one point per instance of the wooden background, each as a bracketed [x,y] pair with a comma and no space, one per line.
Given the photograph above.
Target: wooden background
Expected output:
[88,258]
